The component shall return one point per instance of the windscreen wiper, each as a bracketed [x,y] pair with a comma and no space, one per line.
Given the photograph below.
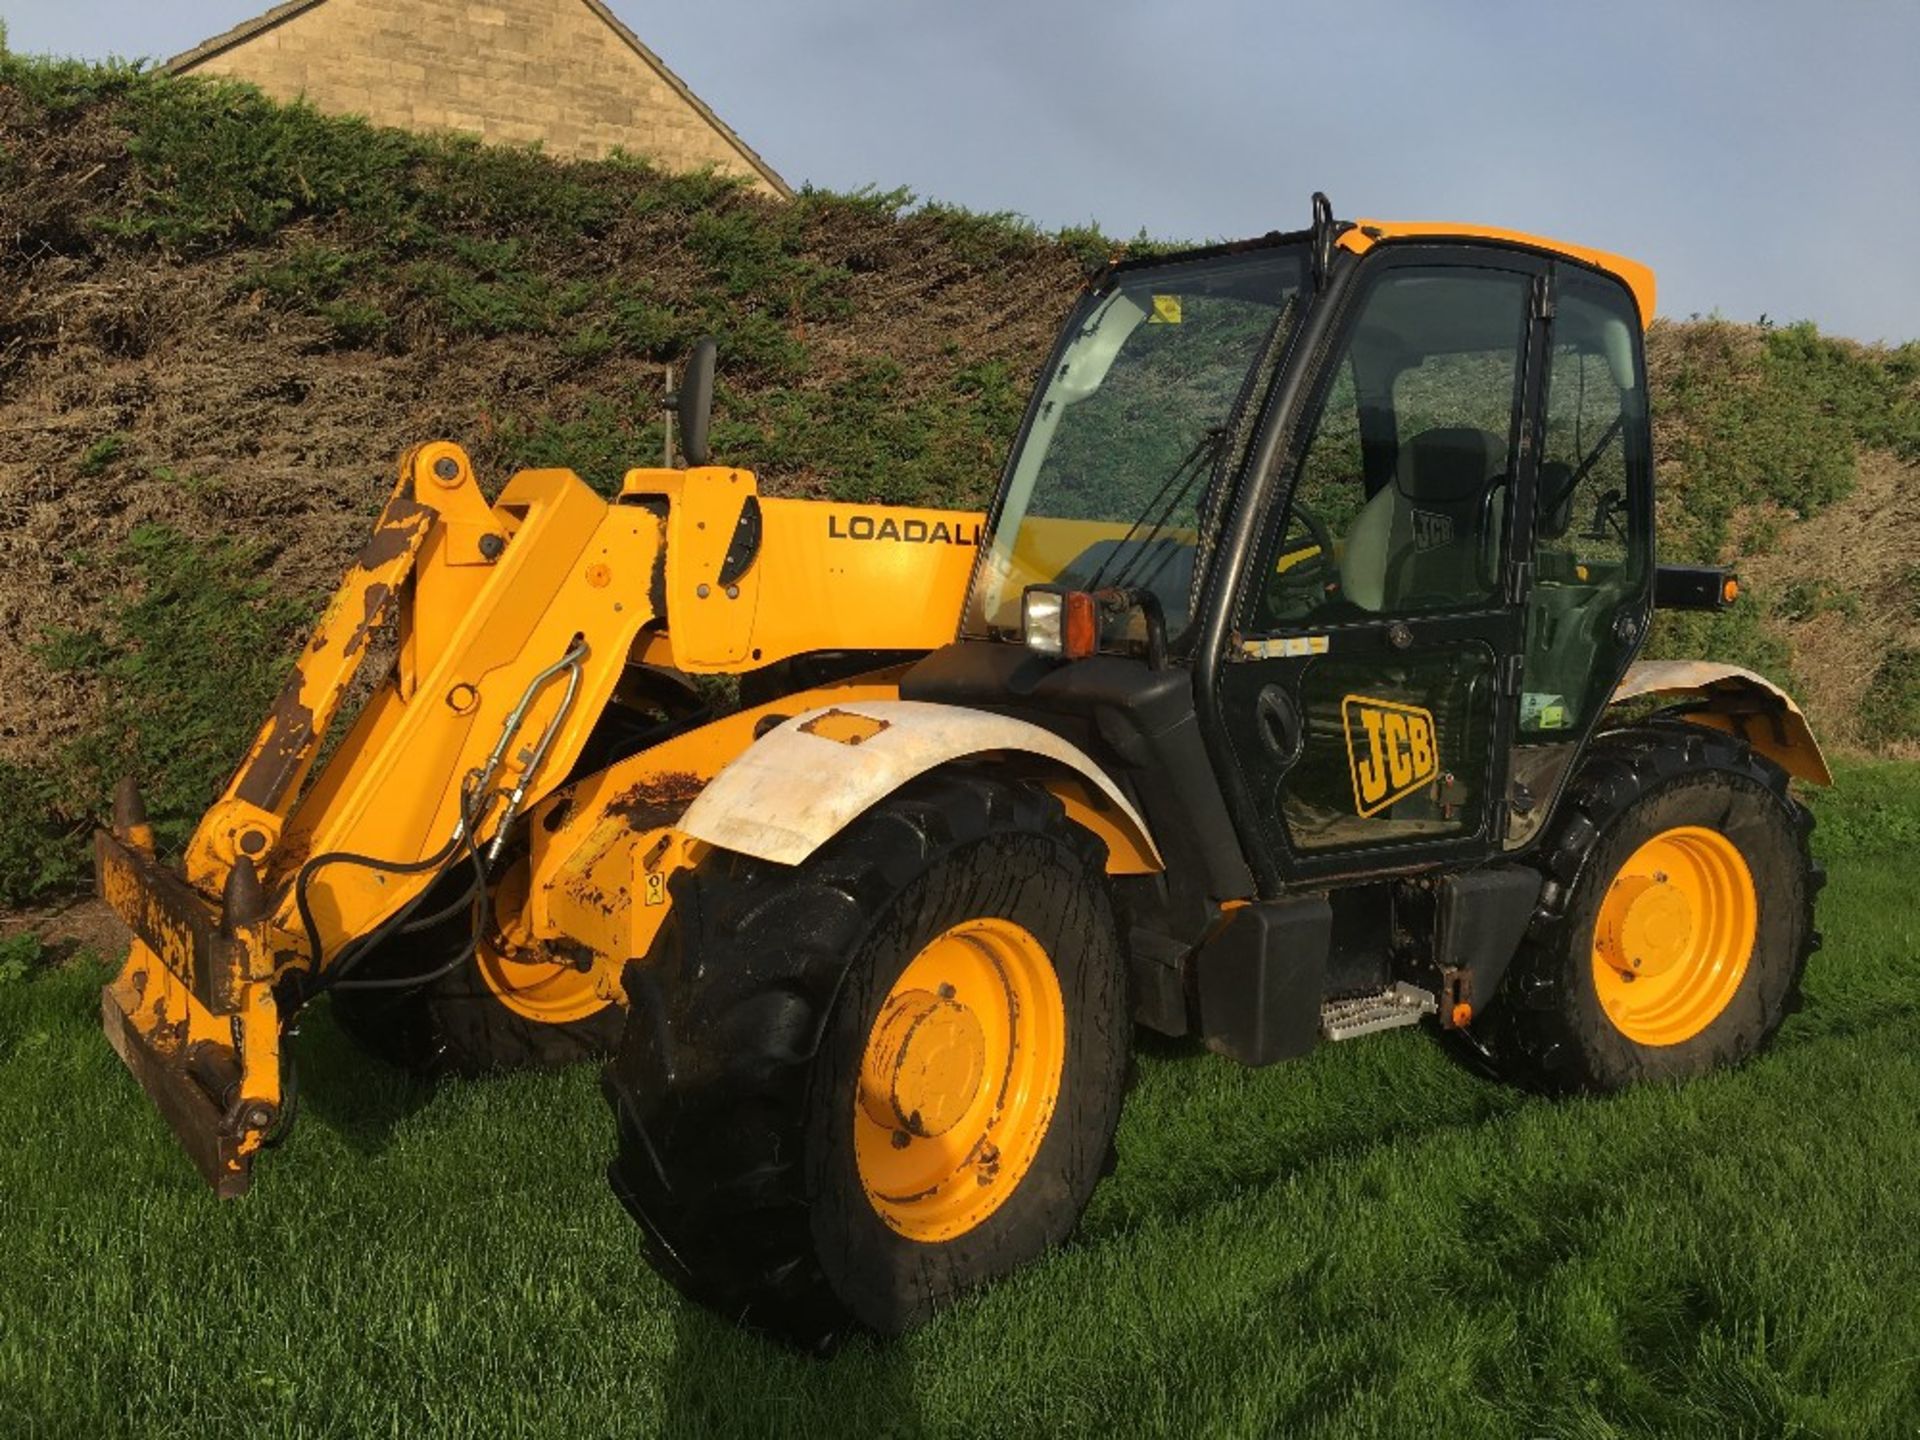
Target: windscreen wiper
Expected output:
[1197,462]
[1236,430]
[1586,465]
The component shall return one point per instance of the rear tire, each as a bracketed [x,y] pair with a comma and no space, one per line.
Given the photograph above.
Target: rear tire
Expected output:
[738,1088]
[1695,801]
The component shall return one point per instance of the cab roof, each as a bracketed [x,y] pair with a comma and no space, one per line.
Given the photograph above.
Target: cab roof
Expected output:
[1363,235]
[1360,236]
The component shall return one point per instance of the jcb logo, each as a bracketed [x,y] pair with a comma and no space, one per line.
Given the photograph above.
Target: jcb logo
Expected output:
[1390,748]
[1431,531]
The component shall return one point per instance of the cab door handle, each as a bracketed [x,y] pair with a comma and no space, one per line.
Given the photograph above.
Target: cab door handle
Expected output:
[1278,718]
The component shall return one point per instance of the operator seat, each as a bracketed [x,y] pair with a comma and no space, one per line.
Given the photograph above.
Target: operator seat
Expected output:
[1433,534]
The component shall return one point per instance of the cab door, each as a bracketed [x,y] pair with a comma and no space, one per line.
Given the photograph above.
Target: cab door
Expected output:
[1375,660]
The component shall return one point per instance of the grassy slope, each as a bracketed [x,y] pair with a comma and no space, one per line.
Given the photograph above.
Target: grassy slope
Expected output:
[1369,1241]
[220,318]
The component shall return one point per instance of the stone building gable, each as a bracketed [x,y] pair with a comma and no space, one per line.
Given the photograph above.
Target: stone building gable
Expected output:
[564,73]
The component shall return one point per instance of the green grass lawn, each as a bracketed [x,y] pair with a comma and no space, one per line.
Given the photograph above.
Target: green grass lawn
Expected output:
[1371,1241]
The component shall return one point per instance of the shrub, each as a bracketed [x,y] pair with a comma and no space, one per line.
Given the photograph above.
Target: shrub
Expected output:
[1738,635]
[1890,709]
[221,162]
[42,844]
[20,956]
[1769,415]
[103,452]
[190,663]
[599,445]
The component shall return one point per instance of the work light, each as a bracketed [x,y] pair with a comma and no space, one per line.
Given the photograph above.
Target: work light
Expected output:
[1058,621]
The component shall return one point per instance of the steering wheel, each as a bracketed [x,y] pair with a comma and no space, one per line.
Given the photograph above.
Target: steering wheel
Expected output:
[1318,559]
[1314,574]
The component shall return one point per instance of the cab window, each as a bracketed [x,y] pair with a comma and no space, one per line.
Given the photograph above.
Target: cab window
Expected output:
[1590,540]
[1401,499]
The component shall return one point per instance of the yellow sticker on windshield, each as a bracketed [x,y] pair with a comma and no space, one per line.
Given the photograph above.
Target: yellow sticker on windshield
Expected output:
[1166,310]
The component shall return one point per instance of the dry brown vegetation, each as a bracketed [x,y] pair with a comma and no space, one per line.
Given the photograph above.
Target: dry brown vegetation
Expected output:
[1845,593]
[141,385]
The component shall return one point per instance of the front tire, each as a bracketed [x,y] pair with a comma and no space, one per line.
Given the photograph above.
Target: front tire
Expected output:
[1675,922]
[850,1091]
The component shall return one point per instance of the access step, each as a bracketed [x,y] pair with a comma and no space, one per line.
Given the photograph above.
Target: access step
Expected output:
[1357,1015]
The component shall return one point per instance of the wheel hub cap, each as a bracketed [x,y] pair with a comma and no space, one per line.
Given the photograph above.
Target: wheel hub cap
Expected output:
[959,1079]
[923,1064]
[525,977]
[1674,935]
[1651,926]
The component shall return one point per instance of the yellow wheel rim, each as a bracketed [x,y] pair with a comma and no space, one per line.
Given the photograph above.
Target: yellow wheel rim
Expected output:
[521,975]
[549,991]
[1674,934]
[959,1079]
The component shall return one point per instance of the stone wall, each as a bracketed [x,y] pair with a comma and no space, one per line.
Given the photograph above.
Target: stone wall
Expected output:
[511,71]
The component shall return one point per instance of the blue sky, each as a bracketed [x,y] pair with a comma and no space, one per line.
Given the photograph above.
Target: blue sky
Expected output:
[1760,155]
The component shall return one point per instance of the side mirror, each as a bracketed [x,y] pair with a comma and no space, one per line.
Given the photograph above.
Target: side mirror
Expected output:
[694,402]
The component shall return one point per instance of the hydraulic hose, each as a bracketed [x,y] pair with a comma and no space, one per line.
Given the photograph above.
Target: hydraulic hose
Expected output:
[475,802]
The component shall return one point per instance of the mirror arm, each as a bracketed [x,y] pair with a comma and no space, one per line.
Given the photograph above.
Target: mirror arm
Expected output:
[669,403]
[692,403]
[1121,600]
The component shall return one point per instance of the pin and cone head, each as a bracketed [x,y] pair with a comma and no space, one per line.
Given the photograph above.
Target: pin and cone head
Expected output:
[244,900]
[129,809]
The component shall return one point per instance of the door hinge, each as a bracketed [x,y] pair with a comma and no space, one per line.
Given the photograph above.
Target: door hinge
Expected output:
[1513,672]
[1519,580]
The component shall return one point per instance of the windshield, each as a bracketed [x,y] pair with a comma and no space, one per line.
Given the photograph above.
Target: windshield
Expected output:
[1111,485]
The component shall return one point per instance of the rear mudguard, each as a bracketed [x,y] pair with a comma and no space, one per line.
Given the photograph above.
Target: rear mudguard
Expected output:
[1725,697]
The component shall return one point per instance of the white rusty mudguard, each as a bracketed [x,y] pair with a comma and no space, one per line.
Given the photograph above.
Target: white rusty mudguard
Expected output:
[1739,702]
[801,783]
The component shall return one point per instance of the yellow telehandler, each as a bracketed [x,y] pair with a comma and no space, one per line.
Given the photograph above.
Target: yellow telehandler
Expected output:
[1276,699]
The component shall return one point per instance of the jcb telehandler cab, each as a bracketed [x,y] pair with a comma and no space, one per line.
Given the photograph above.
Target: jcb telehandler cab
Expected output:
[1277,698]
